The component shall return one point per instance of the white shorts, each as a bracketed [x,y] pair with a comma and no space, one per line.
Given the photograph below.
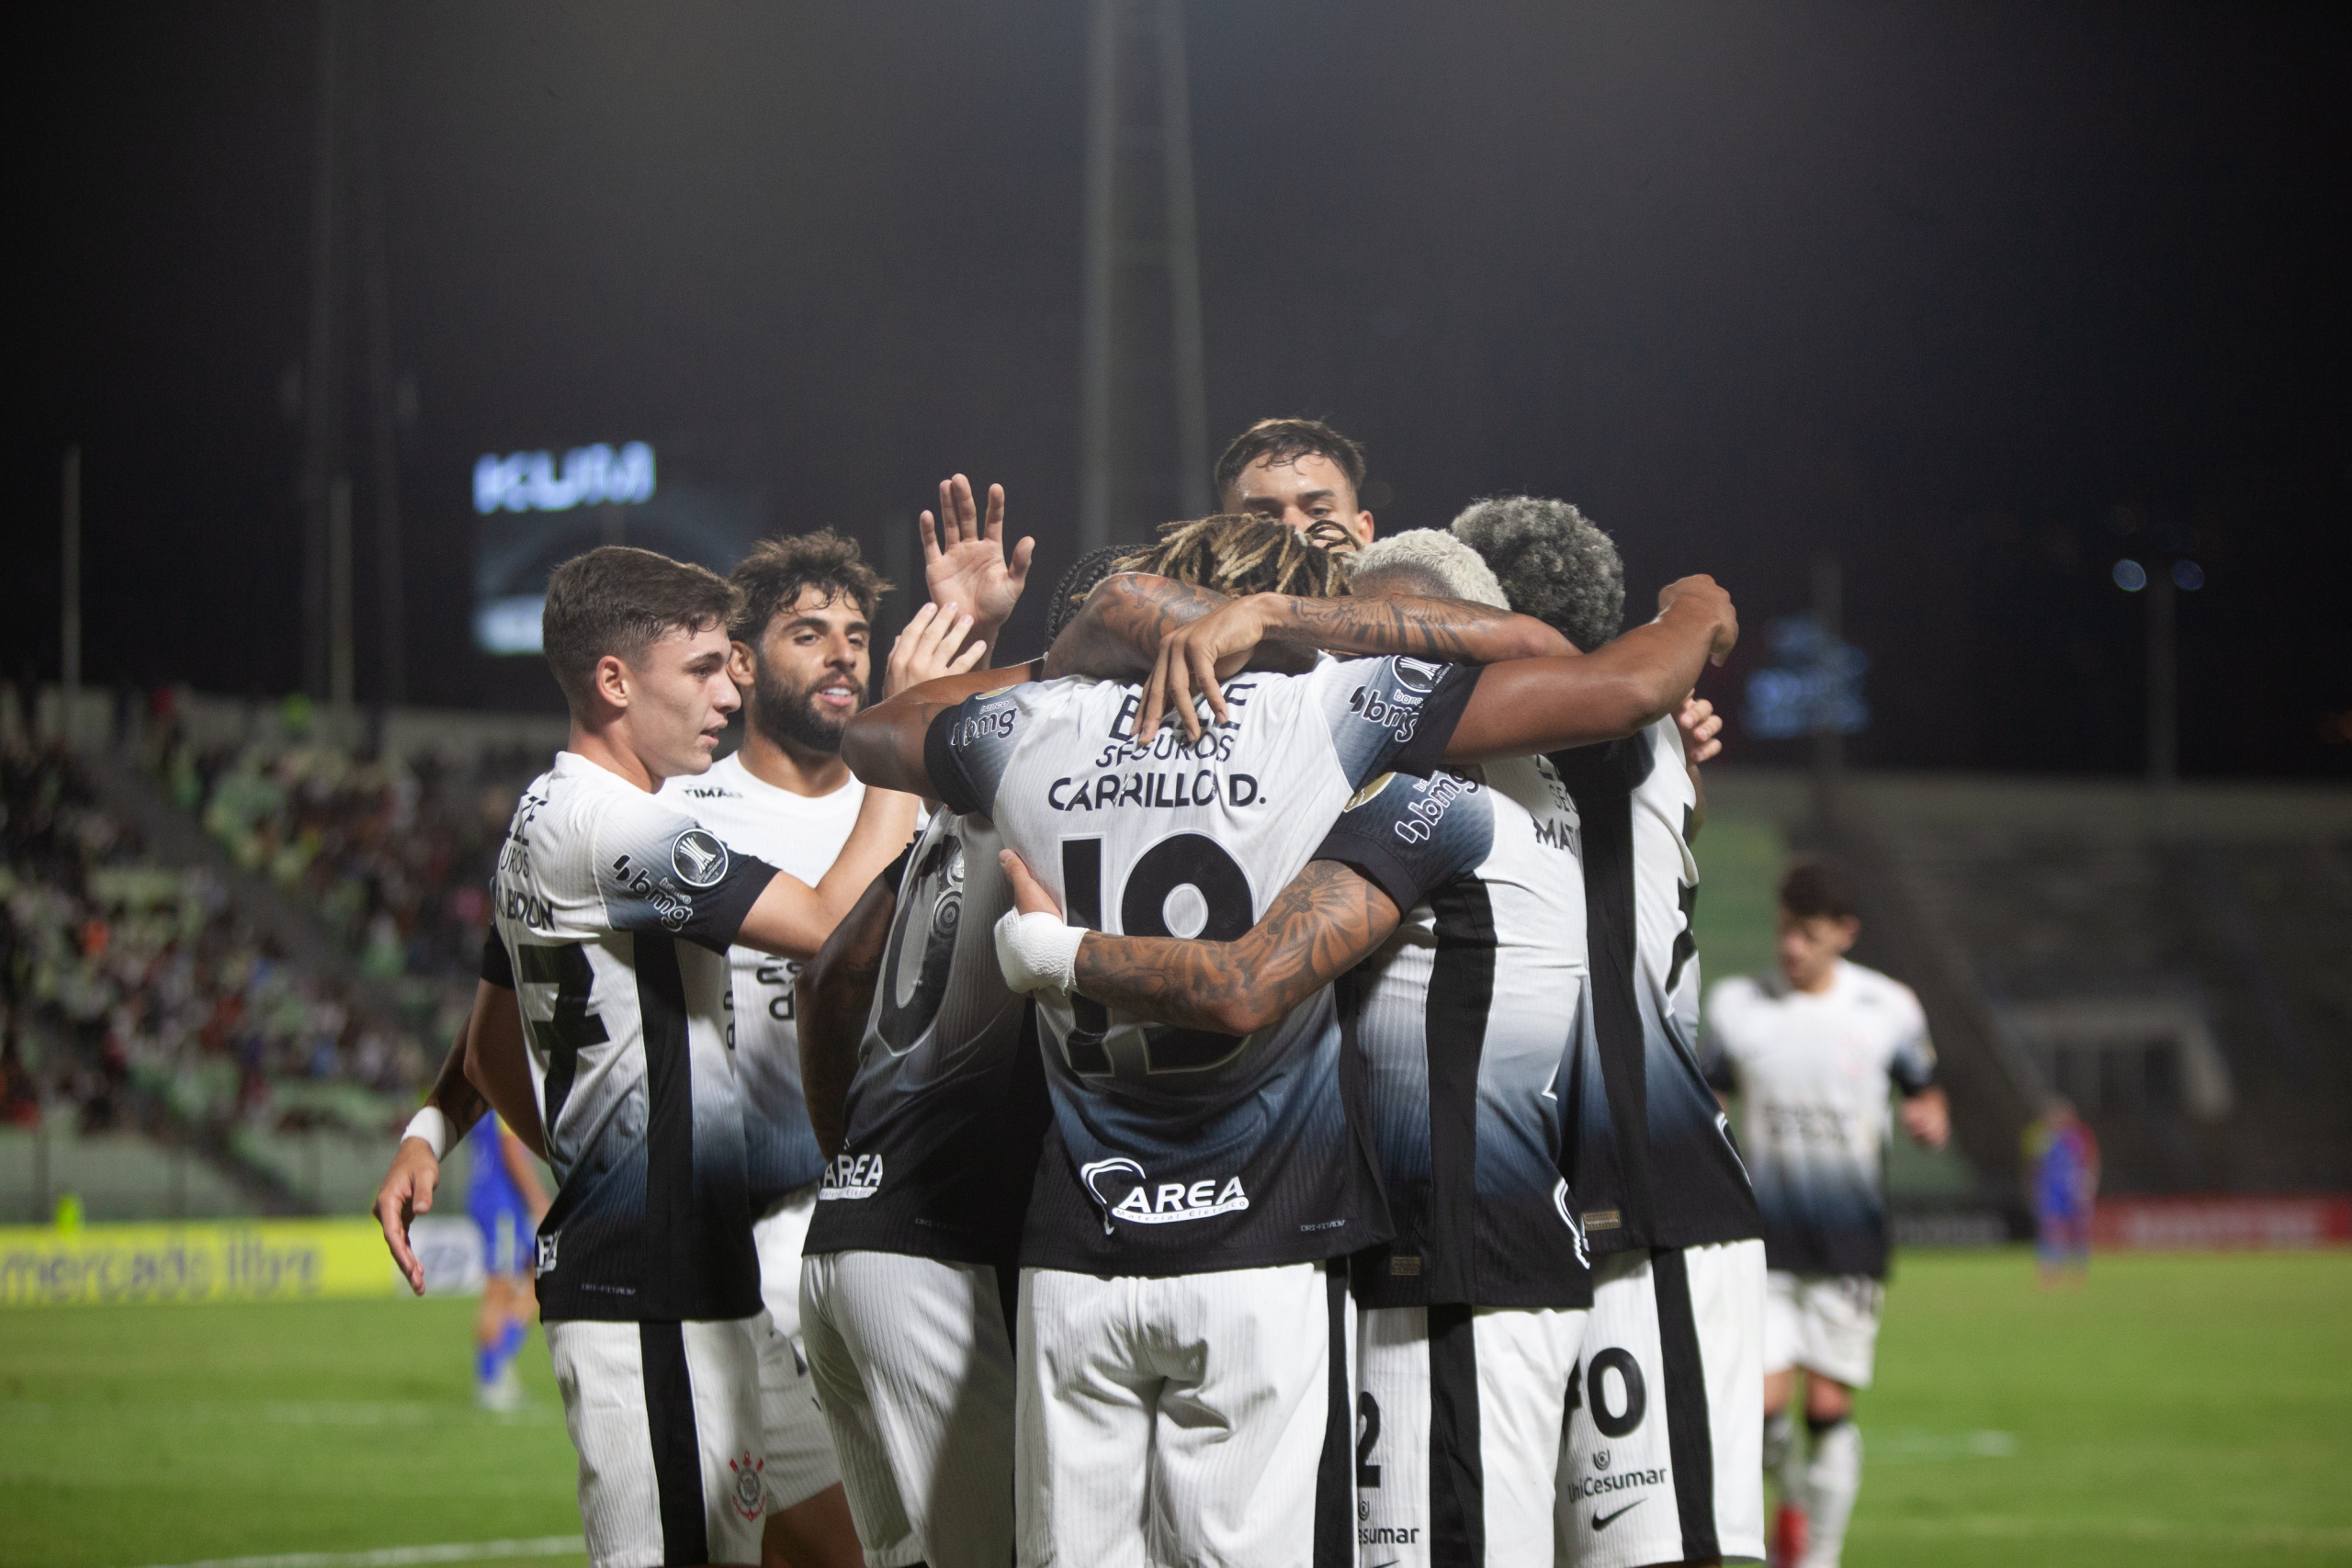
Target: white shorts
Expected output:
[914,1369]
[666,1418]
[1458,1418]
[1199,1419]
[799,1451]
[1826,1324]
[1664,1456]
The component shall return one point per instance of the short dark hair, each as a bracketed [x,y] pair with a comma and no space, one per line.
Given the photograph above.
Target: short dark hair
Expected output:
[1084,576]
[1555,564]
[1234,555]
[1283,439]
[619,601]
[1817,888]
[772,577]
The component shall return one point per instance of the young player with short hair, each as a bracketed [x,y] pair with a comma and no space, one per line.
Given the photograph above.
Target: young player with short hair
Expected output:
[1302,474]
[1812,1051]
[1201,1428]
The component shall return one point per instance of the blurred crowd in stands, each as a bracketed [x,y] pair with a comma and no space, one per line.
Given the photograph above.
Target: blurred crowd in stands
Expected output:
[131,989]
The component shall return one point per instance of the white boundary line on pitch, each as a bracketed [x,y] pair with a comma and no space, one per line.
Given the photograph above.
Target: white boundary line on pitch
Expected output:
[404,1556]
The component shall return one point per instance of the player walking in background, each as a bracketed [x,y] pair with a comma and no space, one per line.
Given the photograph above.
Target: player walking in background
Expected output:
[1660,1464]
[2061,1179]
[1811,1052]
[504,1200]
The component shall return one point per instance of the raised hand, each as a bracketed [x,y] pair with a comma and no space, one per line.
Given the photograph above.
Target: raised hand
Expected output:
[963,560]
[929,648]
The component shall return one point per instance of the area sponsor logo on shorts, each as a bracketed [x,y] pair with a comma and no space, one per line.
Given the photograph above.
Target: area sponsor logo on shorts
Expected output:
[750,1493]
[852,1176]
[544,1265]
[698,858]
[1165,1203]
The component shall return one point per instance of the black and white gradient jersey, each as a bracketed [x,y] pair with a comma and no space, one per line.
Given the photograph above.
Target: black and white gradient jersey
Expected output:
[947,1108]
[1178,1151]
[1650,1156]
[1464,1019]
[1811,1072]
[616,910]
[800,835]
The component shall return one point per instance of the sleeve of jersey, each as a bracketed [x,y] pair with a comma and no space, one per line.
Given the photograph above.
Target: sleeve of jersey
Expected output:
[967,747]
[1393,715]
[497,963]
[1408,837]
[1913,1065]
[659,870]
[1715,1062]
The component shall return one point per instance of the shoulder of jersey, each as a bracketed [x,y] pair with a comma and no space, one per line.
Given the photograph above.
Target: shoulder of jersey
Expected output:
[1872,988]
[1739,990]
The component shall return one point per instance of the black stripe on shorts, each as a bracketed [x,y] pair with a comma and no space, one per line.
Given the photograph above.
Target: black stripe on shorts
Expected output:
[677,1451]
[1689,1436]
[1335,1471]
[1457,1466]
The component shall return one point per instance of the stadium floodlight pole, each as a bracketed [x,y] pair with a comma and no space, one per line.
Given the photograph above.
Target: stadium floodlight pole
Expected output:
[383,462]
[69,592]
[321,381]
[1184,266]
[1828,745]
[1094,421]
[340,662]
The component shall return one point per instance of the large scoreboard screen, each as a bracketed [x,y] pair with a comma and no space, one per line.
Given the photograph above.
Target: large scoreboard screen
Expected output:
[539,509]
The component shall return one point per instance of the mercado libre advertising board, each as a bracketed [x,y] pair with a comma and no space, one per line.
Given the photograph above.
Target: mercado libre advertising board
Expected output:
[248,1260]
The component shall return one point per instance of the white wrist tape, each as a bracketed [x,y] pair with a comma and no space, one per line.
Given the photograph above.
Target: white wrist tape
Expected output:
[433,1127]
[1038,951]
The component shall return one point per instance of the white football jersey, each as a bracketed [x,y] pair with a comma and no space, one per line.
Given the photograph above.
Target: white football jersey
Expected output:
[1182,1150]
[1812,1074]
[801,835]
[617,910]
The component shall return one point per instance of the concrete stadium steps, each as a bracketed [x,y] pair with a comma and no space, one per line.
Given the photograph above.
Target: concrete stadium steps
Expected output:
[118,1176]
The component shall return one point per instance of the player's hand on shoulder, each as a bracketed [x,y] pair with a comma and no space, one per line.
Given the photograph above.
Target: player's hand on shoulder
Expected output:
[1702,728]
[963,559]
[407,1192]
[938,641]
[1195,659]
[1708,595]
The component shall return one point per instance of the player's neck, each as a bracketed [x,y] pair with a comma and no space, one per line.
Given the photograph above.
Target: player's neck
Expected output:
[1823,983]
[609,749]
[798,770]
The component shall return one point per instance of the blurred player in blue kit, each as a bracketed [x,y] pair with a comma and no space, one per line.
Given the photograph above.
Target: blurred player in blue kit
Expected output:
[505,1200]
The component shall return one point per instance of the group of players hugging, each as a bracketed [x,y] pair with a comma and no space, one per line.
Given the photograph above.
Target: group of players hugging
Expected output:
[1227,1091]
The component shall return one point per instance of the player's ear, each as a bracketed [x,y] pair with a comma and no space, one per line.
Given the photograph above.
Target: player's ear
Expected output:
[742,664]
[612,680]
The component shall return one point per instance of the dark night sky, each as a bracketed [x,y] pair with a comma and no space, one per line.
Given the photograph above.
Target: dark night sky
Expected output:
[1936,287]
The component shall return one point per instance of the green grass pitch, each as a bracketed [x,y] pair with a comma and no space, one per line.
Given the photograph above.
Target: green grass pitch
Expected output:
[2186,1410]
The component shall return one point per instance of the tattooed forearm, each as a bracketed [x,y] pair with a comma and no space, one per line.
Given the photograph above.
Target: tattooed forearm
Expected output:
[1318,927]
[1452,631]
[1117,633]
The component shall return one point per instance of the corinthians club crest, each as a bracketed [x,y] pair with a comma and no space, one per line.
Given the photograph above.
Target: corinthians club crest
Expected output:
[750,1499]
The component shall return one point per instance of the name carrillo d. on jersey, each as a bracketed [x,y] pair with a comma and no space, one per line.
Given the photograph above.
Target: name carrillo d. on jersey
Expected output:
[852,1176]
[1171,1202]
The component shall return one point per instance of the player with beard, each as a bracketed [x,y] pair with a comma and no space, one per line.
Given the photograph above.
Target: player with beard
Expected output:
[801,651]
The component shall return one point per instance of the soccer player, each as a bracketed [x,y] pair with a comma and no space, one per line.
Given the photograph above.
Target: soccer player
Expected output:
[1661,1464]
[1472,1314]
[1184,1368]
[504,1200]
[2062,1182]
[1811,1051]
[928,1095]
[1302,474]
[801,655]
[617,910]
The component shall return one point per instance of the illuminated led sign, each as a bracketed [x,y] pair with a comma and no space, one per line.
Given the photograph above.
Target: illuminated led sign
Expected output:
[591,475]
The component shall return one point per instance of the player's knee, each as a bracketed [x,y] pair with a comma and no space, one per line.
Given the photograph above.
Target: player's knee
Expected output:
[1826,1402]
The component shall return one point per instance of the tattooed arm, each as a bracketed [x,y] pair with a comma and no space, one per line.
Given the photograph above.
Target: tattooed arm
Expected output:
[831,997]
[1117,632]
[1326,923]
